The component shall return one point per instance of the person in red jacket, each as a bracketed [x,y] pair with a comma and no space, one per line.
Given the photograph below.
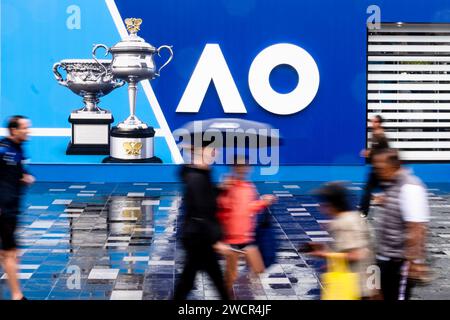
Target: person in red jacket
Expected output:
[239,204]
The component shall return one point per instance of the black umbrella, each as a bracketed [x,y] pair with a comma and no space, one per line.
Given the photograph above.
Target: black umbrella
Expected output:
[229,133]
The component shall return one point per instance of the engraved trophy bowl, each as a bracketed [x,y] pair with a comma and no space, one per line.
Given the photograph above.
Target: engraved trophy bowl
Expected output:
[88,78]
[133,61]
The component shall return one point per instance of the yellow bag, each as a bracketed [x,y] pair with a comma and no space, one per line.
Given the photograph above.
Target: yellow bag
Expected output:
[339,283]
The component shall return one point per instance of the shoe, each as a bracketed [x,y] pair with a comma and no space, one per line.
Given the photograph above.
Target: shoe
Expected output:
[363,215]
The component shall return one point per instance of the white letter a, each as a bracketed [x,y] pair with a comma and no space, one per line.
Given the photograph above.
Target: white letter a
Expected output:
[211,67]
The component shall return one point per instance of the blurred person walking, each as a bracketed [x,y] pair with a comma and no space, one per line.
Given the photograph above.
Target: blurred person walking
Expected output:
[201,231]
[351,234]
[402,228]
[378,142]
[13,178]
[238,206]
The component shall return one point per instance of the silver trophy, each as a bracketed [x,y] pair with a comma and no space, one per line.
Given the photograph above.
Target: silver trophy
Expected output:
[132,140]
[90,79]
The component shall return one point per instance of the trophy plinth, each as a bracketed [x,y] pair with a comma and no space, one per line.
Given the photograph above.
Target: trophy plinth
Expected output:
[90,133]
[132,145]
[132,140]
[90,124]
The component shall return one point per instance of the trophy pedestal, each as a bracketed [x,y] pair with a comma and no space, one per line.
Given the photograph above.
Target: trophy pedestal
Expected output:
[132,146]
[90,133]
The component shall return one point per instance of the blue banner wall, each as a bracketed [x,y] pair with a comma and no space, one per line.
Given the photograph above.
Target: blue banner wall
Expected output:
[331,130]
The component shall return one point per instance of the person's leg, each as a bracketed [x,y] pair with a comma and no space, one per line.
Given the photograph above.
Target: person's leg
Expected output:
[187,278]
[385,279]
[405,285]
[254,259]
[409,287]
[371,184]
[390,279]
[231,271]
[9,264]
[212,267]
[9,255]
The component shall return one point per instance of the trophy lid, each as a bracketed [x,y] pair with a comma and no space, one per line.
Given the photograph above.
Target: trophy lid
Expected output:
[133,43]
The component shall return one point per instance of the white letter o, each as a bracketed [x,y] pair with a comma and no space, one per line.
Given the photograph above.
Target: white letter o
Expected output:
[283,103]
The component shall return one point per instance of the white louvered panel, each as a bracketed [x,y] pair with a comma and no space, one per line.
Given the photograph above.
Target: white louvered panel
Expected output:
[409,58]
[414,28]
[417,124]
[409,96]
[407,77]
[425,155]
[409,67]
[409,38]
[409,48]
[409,86]
[420,144]
[408,106]
[414,116]
[415,135]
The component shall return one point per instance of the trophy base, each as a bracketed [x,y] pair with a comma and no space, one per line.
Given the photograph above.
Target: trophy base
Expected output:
[132,145]
[86,149]
[90,133]
[153,159]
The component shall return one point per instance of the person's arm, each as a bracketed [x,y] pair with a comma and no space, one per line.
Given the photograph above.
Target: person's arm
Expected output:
[27,178]
[415,241]
[416,213]
[356,254]
[204,205]
[351,255]
[366,153]
[4,196]
[260,203]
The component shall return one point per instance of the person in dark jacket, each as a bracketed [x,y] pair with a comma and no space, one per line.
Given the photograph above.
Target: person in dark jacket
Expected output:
[13,178]
[378,142]
[201,231]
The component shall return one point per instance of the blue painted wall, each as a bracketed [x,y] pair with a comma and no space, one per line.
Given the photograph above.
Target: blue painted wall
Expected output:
[429,173]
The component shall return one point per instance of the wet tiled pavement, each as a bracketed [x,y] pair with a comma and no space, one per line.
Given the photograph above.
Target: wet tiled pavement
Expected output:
[119,241]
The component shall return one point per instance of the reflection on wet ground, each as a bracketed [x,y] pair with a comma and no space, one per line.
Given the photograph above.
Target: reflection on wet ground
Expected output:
[119,241]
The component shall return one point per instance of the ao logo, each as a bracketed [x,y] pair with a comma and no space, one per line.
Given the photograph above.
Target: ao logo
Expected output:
[212,67]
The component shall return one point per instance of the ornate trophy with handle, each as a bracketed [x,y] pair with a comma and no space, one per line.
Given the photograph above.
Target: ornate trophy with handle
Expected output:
[91,80]
[132,140]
